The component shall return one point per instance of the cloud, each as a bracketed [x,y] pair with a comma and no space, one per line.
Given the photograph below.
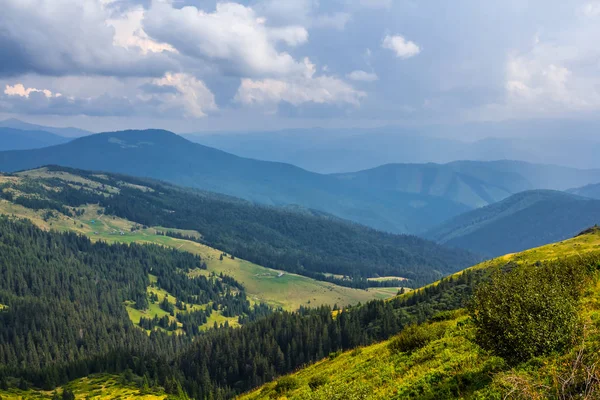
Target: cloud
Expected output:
[591,9]
[233,36]
[173,96]
[192,94]
[68,37]
[298,90]
[301,12]
[362,76]
[130,34]
[20,90]
[399,45]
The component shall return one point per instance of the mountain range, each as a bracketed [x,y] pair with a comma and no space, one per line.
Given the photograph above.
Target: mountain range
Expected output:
[68,132]
[345,150]
[524,220]
[473,183]
[400,198]
[169,157]
[592,191]
[16,139]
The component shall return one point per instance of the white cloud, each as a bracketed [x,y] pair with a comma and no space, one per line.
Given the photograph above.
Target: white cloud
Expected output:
[539,86]
[192,94]
[399,45]
[233,36]
[298,90]
[20,90]
[363,76]
[591,9]
[68,37]
[130,34]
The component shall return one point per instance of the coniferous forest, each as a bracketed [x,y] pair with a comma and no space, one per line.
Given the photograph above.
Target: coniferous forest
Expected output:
[63,317]
[308,243]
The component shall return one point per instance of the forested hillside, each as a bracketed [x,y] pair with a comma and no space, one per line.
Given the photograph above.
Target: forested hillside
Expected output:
[64,316]
[524,220]
[83,295]
[63,300]
[311,244]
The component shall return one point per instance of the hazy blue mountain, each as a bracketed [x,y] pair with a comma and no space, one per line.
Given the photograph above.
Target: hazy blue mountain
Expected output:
[166,156]
[16,139]
[346,150]
[524,220]
[335,150]
[591,191]
[473,183]
[66,132]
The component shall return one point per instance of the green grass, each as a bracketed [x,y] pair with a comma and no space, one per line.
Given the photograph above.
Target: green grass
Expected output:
[94,387]
[578,245]
[450,366]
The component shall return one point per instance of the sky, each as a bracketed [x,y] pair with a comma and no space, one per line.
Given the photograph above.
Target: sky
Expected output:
[194,65]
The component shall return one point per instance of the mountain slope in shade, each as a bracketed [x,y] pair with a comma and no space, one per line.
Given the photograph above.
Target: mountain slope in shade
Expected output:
[525,220]
[66,132]
[473,183]
[169,157]
[591,191]
[16,139]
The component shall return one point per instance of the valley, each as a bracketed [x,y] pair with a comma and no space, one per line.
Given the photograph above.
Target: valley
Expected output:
[288,291]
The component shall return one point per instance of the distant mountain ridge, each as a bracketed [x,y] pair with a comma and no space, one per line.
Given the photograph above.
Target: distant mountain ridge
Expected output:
[169,157]
[69,132]
[525,220]
[16,139]
[473,183]
[591,191]
[354,149]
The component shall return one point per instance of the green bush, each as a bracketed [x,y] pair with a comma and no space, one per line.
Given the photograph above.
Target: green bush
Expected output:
[414,337]
[285,384]
[317,381]
[529,311]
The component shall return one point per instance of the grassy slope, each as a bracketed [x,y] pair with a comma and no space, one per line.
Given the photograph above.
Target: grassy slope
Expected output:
[288,291]
[94,387]
[376,372]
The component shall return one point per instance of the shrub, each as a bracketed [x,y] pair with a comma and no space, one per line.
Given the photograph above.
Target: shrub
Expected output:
[286,384]
[529,311]
[414,337]
[317,381]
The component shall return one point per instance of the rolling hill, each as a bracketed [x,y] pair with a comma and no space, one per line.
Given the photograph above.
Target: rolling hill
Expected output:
[473,183]
[592,191]
[524,220]
[166,156]
[16,139]
[310,244]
